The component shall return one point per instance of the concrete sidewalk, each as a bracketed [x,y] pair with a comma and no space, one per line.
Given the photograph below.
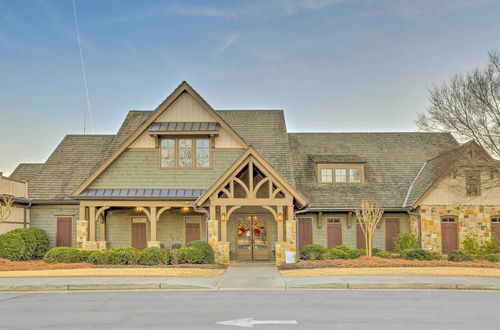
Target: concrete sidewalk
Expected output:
[249,277]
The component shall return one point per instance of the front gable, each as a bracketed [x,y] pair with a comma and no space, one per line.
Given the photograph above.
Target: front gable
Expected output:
[136,162]
[452,186]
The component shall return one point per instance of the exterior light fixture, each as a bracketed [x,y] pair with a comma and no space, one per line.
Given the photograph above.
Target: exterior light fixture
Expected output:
[138,209]
[279,217]
[185,208]
[223,217]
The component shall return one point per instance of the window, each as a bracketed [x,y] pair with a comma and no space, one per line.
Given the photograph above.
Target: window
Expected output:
[340,175]
[473,183]
[495,219]
[354,175]
[202,152]
[333,220]
[448,219]
[326,175]
[185,153]
[167,153]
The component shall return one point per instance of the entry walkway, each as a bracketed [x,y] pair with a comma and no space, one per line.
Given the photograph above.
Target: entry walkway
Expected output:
[251,276]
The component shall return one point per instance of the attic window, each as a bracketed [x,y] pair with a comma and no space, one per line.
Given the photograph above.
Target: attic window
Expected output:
[473,183]
[185,152]
[340,173]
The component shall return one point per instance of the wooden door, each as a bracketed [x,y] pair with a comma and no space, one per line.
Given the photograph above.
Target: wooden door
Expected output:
[305,232]
[360,237]
[139,236]
[192,232]
[495,227]
[334,232]
[392,229]
[449,236]
[64,231]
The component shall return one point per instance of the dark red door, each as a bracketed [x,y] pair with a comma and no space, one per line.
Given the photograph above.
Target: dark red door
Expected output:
[334,234]
[449,236]
[360,237]
[392,229]
[139,239]
[192,232]
[64,231]
[305,232]
[495,227]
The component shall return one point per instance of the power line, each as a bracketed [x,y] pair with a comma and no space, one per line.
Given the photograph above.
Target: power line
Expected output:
[83,72]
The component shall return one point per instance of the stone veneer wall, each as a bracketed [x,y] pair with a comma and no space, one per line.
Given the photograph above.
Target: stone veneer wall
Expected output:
[473,221]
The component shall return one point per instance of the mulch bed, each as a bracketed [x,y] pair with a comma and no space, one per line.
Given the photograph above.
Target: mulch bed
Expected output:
[8,265]
[375,262]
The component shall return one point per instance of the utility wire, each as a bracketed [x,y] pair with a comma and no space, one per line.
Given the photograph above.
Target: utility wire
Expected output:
[83,72]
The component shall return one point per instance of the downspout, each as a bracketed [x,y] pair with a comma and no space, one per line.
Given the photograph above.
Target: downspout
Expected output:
[419,226]
[306,210]
[198,209]
[25,218]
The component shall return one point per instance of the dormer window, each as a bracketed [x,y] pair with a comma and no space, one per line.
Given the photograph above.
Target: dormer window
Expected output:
[182,152]
[473,183]
[340,173]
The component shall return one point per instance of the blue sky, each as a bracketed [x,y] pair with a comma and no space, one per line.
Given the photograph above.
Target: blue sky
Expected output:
[332,65]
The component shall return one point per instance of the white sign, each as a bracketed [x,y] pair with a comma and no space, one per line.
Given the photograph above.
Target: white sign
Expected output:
[290,257]
[249,322]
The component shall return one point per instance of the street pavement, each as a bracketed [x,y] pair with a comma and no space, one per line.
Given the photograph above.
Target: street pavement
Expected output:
[262,309]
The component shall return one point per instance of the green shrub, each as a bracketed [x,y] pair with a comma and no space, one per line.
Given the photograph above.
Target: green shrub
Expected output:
[384,254]
[420,254]
[208,252]
[152,256]
[85,254]
[471,248]
[492,246]
[375,251]
[436,255]
[312,252]
[343,252]
[96,257]
[457,255]
[62,254]
[121,256]
[12,247]
[405,241]
[494,257]
[187,255]
[41,242]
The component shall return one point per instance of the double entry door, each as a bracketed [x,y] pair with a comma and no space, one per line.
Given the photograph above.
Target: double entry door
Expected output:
[252,237]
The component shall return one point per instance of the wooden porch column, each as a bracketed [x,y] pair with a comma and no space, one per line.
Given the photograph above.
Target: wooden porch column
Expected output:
[223,224]
[291,231]
[92,221]
[102,228]
[280,224]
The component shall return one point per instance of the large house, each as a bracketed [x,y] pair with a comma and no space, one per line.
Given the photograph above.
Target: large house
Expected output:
[239,180]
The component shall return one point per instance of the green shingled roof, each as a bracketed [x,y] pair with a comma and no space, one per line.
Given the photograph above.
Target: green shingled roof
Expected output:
[26,171]
[392,162]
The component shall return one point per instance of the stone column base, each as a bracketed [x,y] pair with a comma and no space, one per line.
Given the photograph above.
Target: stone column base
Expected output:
[280,249]
[222,253]
[102,245]
[91,245]
[81,233]
[154,244]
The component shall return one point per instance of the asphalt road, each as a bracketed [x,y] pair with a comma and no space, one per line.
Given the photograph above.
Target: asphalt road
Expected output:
[314,309]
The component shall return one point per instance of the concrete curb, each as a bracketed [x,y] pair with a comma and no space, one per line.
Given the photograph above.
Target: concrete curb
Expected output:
[100,287]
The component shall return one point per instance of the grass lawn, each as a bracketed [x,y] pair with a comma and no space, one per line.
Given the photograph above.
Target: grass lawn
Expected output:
[394,271]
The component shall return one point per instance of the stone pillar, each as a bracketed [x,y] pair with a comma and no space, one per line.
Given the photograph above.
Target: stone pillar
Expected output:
[81,233]
[213,233]
[222,254]
[291,237]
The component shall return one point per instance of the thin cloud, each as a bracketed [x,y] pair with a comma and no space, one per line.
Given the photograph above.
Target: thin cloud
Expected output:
[230,40]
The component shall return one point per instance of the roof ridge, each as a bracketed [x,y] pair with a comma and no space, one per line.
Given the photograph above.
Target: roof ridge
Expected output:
[402,132]
[461,146]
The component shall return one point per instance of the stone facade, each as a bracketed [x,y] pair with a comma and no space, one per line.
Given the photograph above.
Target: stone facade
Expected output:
[473,221]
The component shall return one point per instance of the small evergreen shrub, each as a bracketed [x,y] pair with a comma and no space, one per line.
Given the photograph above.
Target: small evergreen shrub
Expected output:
[375,251]
[436,255]
[152,256]
[492,246]
[62,254]
[41,242]
[494,257]
[420,254]
[121,256]
[187,255]
[384,254]
[12,247]
[312,252]
[343,252]
[405,241]
[471,248]
[208,252]
[36,244]
[85,254]
[96,257]
[457,256]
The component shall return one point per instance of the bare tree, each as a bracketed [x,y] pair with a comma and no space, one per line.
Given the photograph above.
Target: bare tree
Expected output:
[6,207]
[368,215]
[468,106]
